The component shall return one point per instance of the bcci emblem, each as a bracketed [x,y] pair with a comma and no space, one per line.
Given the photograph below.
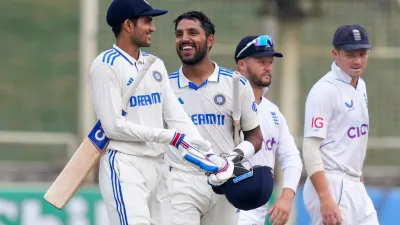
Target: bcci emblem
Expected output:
[157,75]
[219,99]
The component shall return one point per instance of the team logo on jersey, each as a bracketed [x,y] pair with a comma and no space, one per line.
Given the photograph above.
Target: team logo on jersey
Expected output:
[275,118]
[366,100]
[157,75]
[254,107]
[219,99]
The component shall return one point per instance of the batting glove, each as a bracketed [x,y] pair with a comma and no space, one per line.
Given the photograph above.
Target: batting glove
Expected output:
[225,169]
[191,151]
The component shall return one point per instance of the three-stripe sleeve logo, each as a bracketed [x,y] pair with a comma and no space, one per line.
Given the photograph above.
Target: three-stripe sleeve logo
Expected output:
[110,56]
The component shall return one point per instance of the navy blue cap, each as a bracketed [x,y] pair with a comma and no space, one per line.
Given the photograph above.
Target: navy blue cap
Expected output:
[351,37]
[253,51]
[251,192]
[120,10]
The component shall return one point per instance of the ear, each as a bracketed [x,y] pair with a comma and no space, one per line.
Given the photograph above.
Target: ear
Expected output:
[210,40]
[241,65]
[128,26]
[335,54]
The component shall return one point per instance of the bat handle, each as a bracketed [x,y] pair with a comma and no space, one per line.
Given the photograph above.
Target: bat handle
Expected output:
[236,136]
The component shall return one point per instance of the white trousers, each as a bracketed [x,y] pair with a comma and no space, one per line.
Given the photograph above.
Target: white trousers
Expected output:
[253,217]
[351,196]
[193,201]
[134,189]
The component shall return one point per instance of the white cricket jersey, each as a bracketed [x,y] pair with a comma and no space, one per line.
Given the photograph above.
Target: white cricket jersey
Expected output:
[277,141]
[338,113]
[151,106]
[210,108]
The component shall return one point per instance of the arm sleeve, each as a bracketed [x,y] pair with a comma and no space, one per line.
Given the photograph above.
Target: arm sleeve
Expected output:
[249,117]
[108,105]
[320,105]
[311,155]
[289,157]
[173,112]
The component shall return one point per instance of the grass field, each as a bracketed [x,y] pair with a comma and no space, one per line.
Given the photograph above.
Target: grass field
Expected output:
[39,64]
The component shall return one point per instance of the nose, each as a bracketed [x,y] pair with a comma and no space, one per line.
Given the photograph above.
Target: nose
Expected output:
[357,59]
[268,67]
[185,37]
[152,28]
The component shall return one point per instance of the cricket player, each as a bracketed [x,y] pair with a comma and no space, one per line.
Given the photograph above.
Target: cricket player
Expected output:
[204,89]
[133,173]
[254,57]
[336,134]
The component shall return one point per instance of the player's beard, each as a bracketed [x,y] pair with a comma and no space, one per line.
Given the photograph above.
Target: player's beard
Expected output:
[198,56]
[257,81]
[139,40]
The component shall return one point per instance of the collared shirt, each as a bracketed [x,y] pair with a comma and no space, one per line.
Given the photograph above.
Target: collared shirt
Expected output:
[152,106]
[338,113]
[277,141]
[209,105]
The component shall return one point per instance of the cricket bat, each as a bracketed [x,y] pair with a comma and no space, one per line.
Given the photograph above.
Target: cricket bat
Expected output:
[88,153]
[236,108]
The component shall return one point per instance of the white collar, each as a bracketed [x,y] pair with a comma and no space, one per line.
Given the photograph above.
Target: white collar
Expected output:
[129,58]
[214,77]
[340,74]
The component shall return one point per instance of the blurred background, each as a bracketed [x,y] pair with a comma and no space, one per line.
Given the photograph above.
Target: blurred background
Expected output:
[47,47]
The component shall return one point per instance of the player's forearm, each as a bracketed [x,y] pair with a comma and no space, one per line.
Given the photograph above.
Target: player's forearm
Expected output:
[251,144]
[288,193]
[291,178]
[320,185]
[108,106]
[124,130]
[314,166]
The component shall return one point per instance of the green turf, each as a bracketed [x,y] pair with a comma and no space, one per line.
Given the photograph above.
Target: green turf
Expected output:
[39,64]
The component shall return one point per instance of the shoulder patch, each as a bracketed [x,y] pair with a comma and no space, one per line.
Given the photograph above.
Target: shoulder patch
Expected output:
[110,56]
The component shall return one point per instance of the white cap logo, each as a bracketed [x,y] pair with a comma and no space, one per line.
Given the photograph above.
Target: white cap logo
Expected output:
[357,35]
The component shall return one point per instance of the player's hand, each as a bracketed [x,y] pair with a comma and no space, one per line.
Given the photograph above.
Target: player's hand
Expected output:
[280,211]
[225,170]
[330,212]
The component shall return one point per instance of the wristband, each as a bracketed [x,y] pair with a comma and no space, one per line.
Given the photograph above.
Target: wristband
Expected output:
[247,148]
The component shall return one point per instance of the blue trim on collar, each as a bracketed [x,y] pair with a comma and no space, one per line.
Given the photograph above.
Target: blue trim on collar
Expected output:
[126,58]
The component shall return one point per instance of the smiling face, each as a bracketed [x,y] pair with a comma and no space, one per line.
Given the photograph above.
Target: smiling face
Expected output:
[191,41]
[140,31]
[351,62]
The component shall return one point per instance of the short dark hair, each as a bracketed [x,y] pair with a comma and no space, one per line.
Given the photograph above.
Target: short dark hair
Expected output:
[205,22]
[117,29]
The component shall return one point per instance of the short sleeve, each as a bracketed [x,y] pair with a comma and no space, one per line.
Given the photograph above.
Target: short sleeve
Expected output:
[249,117]
[320,105]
